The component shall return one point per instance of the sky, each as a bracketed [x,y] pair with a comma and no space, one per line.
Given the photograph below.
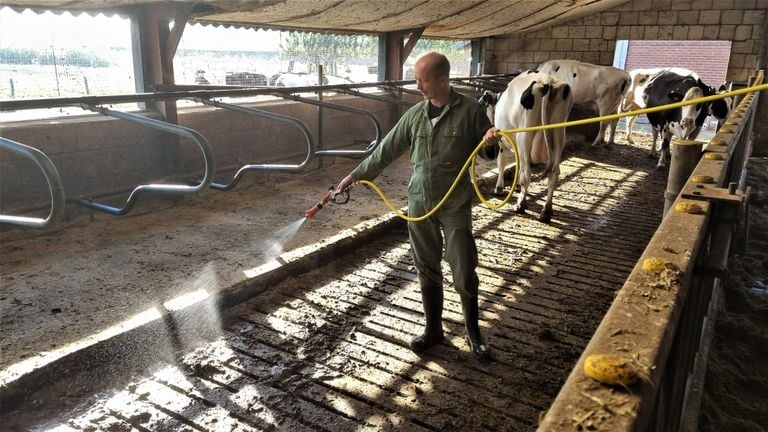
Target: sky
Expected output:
[31,30]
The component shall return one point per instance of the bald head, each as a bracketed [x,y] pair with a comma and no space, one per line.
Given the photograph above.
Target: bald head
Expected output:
[431,72]
[434,64]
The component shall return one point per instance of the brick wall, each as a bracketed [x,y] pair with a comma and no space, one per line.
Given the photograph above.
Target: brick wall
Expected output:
[707,58]
[593,38]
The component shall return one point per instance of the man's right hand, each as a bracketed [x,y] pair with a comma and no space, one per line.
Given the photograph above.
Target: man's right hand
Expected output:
[343,184]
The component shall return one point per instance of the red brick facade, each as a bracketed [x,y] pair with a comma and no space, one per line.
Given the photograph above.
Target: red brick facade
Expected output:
[707,58]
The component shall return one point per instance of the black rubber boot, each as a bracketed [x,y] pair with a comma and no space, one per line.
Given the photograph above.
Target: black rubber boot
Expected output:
[432,301]
[477,344]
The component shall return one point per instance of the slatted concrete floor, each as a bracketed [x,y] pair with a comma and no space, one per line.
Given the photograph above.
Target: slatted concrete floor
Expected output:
[328,350]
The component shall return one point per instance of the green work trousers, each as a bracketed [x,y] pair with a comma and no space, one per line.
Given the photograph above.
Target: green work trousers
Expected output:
[455,223]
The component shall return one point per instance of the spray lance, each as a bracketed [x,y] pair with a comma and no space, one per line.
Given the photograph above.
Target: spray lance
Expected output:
[336,198]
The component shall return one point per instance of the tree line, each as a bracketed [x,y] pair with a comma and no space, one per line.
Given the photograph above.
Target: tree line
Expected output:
[25,56]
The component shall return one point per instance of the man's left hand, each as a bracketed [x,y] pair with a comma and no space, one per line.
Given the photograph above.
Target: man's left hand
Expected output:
[492,136]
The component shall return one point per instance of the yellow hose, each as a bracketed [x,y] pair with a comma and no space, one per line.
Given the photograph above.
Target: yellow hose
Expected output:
[513,145]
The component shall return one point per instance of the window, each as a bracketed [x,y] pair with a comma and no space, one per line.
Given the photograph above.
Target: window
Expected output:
[273,58]
[221,55]
[459,53]
[45,55]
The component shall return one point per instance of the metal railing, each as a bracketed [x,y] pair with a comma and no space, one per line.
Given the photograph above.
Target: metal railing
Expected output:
[289,168]
[205,95]
[661,319]
[163,189]
[175,92]
[51,177]
[354,154]
[385,99]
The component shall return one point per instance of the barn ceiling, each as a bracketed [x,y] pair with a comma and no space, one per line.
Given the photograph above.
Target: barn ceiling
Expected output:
[449,19]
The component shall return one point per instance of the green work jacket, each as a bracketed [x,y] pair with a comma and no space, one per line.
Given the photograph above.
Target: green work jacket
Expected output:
[436,153]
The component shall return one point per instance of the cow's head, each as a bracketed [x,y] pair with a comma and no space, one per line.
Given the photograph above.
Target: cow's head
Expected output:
[689,119]
[489,100]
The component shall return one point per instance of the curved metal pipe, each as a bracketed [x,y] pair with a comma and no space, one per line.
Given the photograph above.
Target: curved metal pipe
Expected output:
[352,154]
[51,174]
[169,189]
[264,167]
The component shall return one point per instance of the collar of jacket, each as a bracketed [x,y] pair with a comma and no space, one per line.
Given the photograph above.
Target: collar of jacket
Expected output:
[453,100]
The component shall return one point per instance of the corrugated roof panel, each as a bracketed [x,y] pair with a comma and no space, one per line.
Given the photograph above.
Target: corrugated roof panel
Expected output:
[450,19]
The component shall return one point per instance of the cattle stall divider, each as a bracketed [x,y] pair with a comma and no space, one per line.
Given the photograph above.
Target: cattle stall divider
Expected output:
[288,168]
[401,89]
[352,154]
[203,94]
[385,99]
[155,188]
[58,199]
[661,320]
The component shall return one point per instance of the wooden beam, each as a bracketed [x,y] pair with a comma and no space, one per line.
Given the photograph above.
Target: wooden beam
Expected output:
[180,18]
[157,68]
[415,36]
[392,52]
[393,48]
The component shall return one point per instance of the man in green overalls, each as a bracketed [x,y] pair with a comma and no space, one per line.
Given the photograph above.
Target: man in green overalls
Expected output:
[440,132]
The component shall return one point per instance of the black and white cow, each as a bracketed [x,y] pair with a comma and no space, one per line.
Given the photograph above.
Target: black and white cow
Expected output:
[668,87]
[533,99]
[634,99]
[593,86]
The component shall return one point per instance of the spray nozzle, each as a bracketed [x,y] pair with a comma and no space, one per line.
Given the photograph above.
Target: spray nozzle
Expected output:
[338,198]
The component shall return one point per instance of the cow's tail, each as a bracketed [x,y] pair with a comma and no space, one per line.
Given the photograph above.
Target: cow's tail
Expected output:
[548,138]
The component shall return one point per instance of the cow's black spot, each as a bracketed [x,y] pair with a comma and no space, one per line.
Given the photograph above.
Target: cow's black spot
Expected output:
[566,91]
[527,99]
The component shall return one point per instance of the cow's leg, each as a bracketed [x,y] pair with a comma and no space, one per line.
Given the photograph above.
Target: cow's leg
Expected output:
[523,148]
[558,143]
[612,124]
[664,153]
[604,111]
[554,175]
[655,135]
[630,124]
[600,135]
[522,202]
[501,163]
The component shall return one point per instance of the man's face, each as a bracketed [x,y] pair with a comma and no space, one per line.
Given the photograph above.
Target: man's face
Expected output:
[426,82]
